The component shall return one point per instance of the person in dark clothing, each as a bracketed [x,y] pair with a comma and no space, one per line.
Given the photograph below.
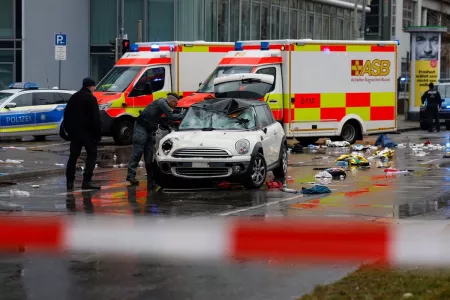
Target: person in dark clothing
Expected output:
[434,102]
[144,134]
[83,126]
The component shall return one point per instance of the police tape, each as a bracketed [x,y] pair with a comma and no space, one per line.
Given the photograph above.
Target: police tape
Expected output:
[317,240]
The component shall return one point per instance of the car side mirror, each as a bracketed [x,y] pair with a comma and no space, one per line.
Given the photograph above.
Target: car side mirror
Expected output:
[10,105]
[148,90]
[200,84]
[264,130]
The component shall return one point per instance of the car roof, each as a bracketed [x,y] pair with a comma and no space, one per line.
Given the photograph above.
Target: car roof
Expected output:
[228,105]
[14,91]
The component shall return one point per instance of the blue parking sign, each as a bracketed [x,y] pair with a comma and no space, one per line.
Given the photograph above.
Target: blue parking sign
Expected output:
[60,39]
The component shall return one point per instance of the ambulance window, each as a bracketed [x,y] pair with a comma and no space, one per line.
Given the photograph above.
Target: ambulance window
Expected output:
[44,98]
[261,117]
[23,100]
[156,76]
[269,71]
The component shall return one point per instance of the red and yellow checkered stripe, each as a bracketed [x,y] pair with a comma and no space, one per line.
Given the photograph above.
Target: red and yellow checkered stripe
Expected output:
[333,107]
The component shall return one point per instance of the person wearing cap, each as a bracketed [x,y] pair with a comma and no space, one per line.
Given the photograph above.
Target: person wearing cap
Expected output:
[83,126]
[144,134]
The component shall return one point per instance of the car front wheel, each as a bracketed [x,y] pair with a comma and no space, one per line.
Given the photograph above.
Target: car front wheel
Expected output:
[281,170]
[257,174]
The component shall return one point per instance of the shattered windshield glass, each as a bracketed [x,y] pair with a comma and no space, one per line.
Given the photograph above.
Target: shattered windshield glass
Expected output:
[202,119]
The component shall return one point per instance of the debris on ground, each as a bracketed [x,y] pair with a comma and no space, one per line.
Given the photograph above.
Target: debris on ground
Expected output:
[297,148]
[13,147]
[342,164]
[396,171]
[274,185]
[339,144]
[60,165]
[35,186]
[354,159]
[287,190]
[13,161]
[323,174]
[385,141]
[18,193]
[337,173]
[384,155]
[316,189]
[359,147]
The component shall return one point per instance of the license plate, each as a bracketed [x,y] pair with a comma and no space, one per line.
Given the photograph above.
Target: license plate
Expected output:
[200,165]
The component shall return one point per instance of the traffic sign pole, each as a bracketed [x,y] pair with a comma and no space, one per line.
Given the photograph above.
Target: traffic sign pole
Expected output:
[60,52]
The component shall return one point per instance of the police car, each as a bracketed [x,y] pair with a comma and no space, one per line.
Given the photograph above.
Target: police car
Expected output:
[25,109]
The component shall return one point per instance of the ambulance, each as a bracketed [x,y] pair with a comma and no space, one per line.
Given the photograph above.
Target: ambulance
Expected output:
[336,89]
[149,72]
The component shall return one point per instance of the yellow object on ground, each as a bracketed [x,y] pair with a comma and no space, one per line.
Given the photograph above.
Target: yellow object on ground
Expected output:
[353,159]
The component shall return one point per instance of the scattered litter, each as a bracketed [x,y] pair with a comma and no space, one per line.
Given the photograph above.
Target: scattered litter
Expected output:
[13,161]
[342,164]
[122,165]
[396,171]
[61,165]
[385,154]
[96,166]
[408,295]
[385,141]
[337,173]
[329,143]
[316,189]
[1,161]
[292,191]
[115,166]
[274,185]
[354,159]
[18,193]
[12,147]
[421,153]
[297,148]
[359,147]
[35,186]
[323,174]
[115,157]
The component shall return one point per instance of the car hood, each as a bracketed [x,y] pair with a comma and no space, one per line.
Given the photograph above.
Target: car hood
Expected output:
[212,139]
[187,101]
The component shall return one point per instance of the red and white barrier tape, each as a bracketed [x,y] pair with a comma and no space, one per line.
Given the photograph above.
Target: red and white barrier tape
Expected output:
[305,240]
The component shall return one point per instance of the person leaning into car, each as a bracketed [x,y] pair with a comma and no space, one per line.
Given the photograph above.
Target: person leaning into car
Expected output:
[144,134]
[434,102]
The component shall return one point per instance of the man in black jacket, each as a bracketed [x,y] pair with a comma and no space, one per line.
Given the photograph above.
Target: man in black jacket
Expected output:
[83,126]
[144,134]
[434,102]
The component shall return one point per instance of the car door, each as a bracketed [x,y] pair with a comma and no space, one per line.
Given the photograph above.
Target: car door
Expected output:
[157,78]
[277,131]
[19,117]
[268,138]
[48,111]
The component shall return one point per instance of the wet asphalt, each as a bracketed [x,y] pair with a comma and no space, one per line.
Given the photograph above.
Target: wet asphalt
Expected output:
[365,194]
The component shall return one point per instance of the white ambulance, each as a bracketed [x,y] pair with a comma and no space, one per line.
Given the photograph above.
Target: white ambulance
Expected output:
[148,73]
[340,89]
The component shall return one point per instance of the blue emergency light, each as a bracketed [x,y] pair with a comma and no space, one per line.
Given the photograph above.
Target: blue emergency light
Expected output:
[134,48]
[238,46]
[398,42]
[154,48]
[402,79]
[265,46]
[24,85]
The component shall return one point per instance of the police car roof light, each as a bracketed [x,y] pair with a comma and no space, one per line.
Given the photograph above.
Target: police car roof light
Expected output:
[24,85]
[265,46]
[238,46]
[134,48]
[398,42]
[154,48]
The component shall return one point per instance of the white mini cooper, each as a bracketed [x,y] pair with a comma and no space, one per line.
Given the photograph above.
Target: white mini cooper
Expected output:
[232,139]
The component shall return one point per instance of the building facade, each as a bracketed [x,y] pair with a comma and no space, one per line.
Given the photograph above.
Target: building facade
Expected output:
[27,31]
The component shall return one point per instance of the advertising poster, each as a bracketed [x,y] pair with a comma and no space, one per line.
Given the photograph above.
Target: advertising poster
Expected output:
[425,57]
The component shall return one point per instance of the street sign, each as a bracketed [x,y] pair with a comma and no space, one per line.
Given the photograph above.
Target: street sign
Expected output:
[60,46]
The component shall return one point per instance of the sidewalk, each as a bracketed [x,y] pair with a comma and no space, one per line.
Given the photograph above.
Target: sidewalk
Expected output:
[403,125]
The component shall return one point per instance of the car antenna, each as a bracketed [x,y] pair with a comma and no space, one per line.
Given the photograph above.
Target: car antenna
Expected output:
[46,72]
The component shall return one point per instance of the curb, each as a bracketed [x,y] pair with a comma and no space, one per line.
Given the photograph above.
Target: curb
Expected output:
[41,173]
[408,129]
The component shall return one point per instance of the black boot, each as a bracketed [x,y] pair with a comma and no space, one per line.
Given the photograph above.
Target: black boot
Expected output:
[133,181]
[89,186]
[69,185]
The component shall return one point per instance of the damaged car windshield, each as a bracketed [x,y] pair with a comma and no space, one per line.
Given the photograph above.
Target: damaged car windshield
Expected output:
[202,119]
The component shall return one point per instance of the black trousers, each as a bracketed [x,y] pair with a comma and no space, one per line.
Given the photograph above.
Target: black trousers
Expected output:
[432,113]
[75,150]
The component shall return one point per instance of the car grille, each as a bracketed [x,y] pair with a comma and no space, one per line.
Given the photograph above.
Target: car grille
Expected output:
[201,152]
[203,172]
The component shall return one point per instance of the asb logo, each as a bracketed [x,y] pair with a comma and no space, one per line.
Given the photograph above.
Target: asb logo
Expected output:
[374,67]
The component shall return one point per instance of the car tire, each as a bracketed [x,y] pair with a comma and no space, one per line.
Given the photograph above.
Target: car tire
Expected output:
[281,170]
[350,132]
[257,174]
[123,133]
[39,137]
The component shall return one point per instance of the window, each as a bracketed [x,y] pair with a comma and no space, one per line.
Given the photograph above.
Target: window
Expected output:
[346,25]
[211,20]
[326,22]
[6,75]
[408,13]
[62,98]
[160,20]
[224,21]
[393,19]
[103,21]
[302,20]
[333,22]
[269,71]
[265,18]
[134,11]
[318,22]
[269,114]
[245,20]
[340,24]
[118,79]
[261,117]
[23,100]
[101,64]
[156,76]
[234,20]
[256,21]
[44,98]
[284,26]
[275,18]
[208,85]
[310,21]
[6,18]
[293,16]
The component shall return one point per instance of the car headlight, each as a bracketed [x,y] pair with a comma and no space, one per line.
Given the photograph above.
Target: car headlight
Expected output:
[105,106]
[242,146]
[167,146]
